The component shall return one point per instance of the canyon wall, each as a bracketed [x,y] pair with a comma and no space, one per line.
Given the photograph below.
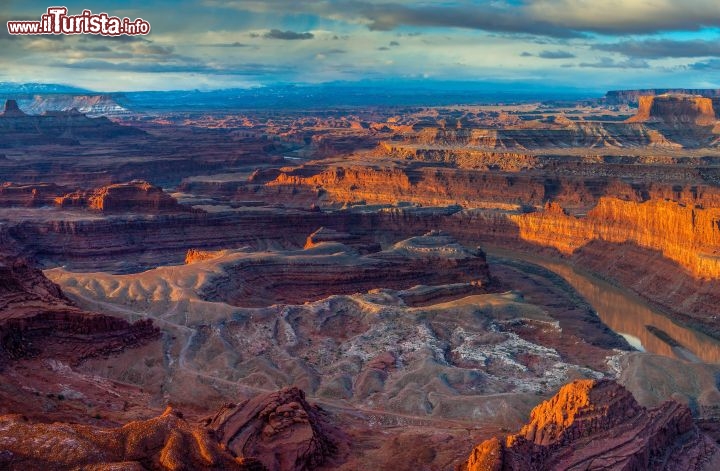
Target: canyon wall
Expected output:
[680,110]
[687,235]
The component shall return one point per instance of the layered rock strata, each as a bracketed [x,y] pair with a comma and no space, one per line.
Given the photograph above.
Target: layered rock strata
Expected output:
[37,319]
[675,110]
[294,277]
[135,196]
[598,425]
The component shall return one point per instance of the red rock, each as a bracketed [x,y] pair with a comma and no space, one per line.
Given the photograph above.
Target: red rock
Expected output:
[167,442]
[280,429]
[133,196]
[36,318]
[598,425]
[675,110]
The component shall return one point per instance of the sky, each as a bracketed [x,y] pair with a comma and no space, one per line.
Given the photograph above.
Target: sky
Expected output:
[211,44]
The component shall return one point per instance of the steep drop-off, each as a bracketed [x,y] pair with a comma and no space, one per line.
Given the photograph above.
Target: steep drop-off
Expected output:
[685,234]
[597,425]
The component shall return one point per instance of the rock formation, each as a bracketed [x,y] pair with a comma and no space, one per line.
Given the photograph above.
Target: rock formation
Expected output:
[598,425]
[90,105]
[618,97]
[167,442]
[12,110]
[281,429]
[135,196]
[294,277]
[675,110]
[59,127]
[194,256]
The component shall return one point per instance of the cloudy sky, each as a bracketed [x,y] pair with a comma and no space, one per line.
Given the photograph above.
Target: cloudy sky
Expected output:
[206,44]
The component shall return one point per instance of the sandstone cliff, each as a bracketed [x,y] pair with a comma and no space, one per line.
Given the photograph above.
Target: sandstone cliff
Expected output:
[675,110]
[597,425]
[137,196]
[688,235]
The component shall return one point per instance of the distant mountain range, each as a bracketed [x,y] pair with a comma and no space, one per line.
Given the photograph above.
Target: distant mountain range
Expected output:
[36,98]
[14,88]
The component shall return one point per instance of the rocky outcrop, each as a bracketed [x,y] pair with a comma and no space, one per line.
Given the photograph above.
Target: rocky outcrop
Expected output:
[281,429]
[135,196]
[356,241]
[195,255]
[41,194]
[12,110]
[167,442]
[597,424]
[675,110]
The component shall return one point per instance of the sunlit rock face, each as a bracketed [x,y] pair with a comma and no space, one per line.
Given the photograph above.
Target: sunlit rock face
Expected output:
[599,425]
[675,110]
[135,196]
[686,234]
[167,442]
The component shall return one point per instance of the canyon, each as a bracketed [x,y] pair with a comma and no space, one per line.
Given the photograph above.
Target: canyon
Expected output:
[397,288]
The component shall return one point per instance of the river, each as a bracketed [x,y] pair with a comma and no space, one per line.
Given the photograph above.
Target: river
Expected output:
[645,328]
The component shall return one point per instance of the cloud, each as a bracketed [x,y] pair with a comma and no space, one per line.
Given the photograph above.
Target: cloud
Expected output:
[526,54]
[233,44]
[662,48]
[394,43]
[712,64]
[610,63]
[556,55]
[625,16]
[287,35]
[553,18]
[249,69]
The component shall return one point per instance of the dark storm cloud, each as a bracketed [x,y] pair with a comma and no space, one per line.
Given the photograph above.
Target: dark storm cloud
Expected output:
[553,18]
[287,35]
[555,55]
[662,48]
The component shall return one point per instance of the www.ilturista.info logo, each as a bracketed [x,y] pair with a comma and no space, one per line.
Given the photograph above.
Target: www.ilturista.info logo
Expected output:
[57,21]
